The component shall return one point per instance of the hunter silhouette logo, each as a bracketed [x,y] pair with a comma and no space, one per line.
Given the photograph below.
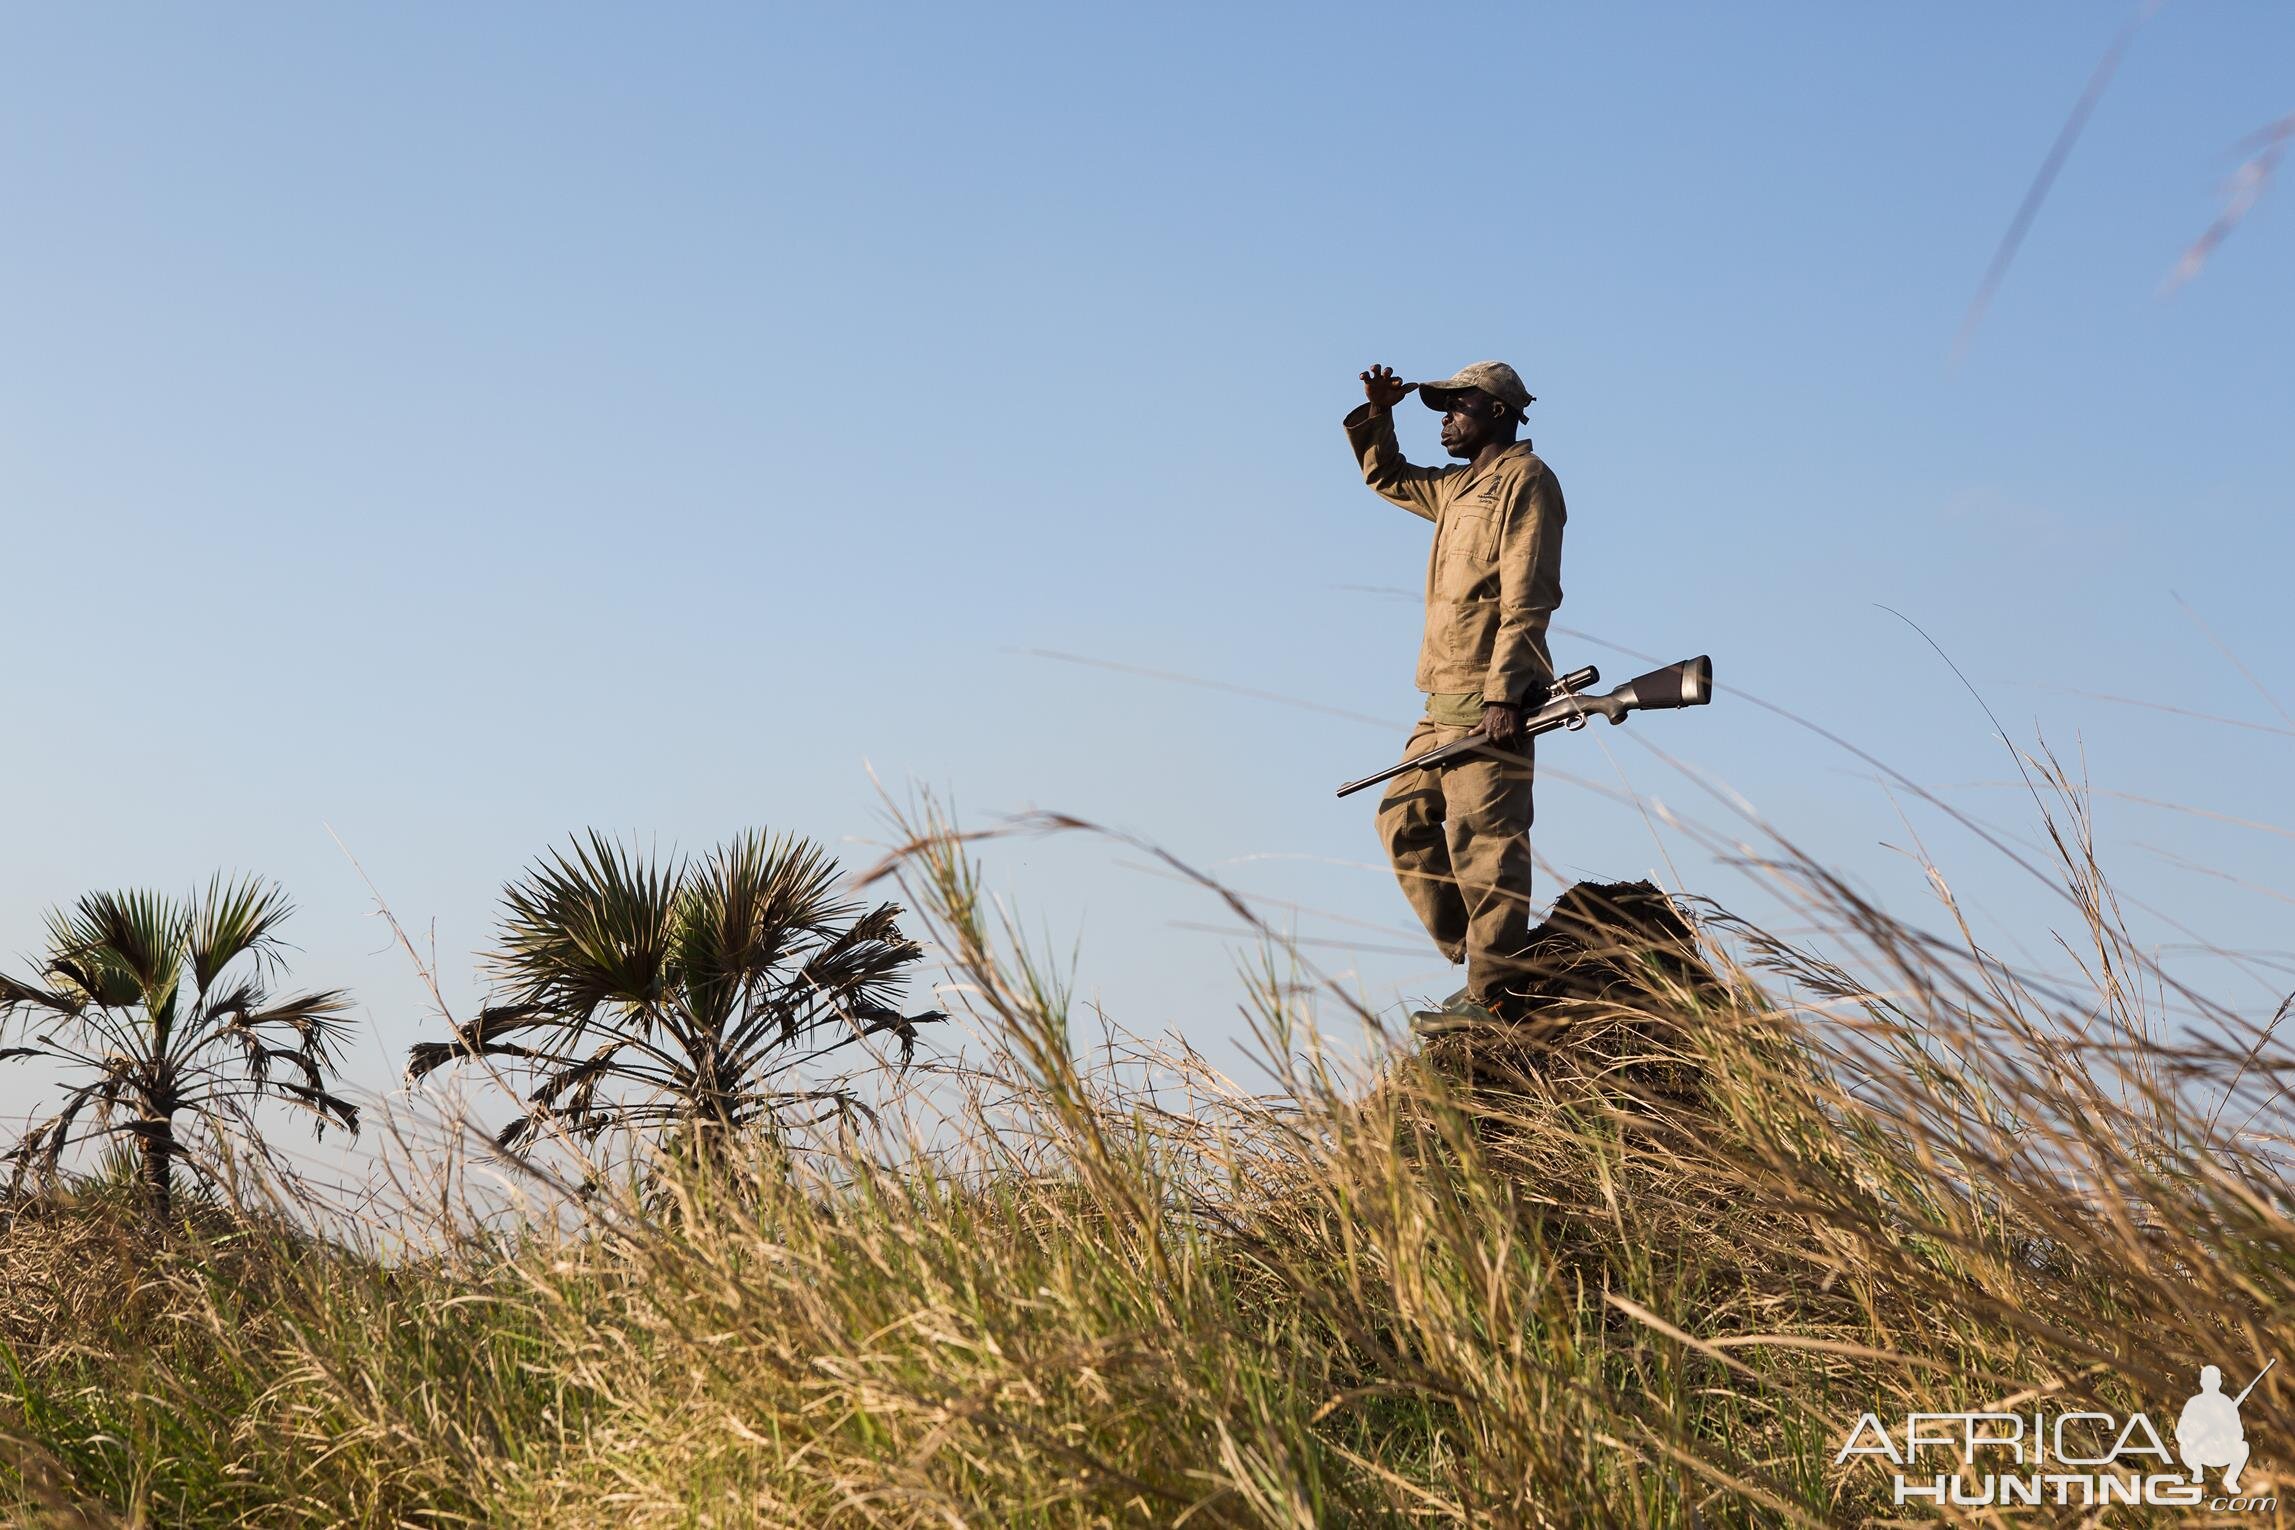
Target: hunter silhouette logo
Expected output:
[2075,1457]
[2209,1432]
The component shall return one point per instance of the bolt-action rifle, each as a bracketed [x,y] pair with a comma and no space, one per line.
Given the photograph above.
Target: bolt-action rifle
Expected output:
[1687,684]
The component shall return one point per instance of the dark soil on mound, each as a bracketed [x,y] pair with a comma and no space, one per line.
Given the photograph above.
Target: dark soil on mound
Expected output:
[1615,979]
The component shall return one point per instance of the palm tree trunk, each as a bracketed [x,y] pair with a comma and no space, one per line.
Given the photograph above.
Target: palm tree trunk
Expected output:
[156,1142]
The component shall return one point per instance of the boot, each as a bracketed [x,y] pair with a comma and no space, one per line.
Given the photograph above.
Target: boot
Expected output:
[1459,1012]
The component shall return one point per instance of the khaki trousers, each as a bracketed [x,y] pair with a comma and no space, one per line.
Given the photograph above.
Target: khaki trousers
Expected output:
[1458,835]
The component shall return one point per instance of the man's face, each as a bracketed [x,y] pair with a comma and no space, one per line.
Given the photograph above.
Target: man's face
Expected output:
[1467,423]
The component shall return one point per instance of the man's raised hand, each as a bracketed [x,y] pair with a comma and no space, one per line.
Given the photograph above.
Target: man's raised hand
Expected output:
[1384,389]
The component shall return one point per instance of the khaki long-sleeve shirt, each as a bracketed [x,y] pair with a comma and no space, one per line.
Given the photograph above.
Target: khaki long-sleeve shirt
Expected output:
[1494,574]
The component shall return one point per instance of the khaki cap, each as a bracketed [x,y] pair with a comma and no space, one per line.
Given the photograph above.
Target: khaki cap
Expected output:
[1495,378]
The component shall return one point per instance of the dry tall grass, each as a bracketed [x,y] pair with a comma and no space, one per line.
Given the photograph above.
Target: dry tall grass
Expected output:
[1644,1276]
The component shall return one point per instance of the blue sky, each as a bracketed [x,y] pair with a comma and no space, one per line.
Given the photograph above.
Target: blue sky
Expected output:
[463,426]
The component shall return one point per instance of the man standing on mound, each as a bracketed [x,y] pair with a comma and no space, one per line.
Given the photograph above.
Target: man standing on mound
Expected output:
[1458,833]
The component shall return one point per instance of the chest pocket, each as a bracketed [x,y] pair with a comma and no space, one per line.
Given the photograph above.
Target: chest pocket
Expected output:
[1469,539]
[1477,512]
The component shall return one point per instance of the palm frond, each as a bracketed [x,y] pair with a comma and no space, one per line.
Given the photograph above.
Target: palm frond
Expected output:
[529,1126]
[28,1157]
[138,932]
[42,1148]
[92,975]
[867,1019]
[865,964]
[259,1065]
[858,971]
[429,1056]
[325,1106]
[243,996]
[799,882]
[317,1018]
[582,1077]
[229,920]
[834,1103]
[480,1038]
[721,933]
[743,911]
[876,1020]
[588,929]
[17,995]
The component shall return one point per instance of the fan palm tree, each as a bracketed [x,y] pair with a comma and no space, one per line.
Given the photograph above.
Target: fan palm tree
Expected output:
[159,1014]
[682,998]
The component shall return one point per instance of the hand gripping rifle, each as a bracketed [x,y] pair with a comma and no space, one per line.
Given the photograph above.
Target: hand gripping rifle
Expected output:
[1687,684]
